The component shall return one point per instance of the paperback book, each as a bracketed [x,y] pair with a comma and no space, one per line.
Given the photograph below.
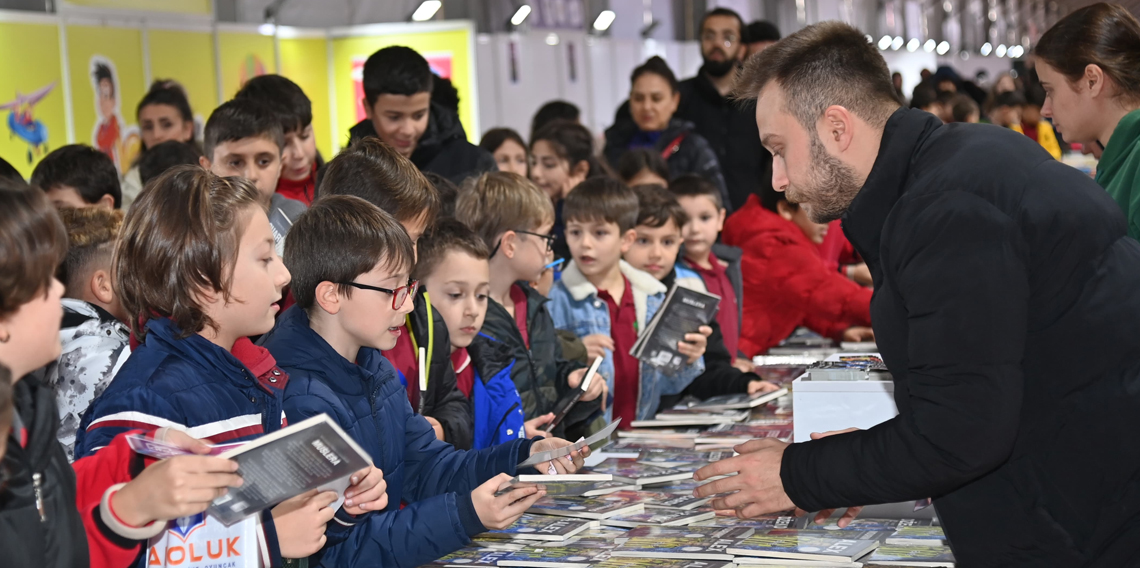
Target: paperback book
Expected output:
[634,471]
[804,547]
[540,527]
[594,489]
[927,556]
[766,523]
[674,419]
[686,543]
[596,508]
[659,517]
[578,554]
[740,433]
[918,536]
[639,444]
[472,557]
[673,500]
[683,312]
[630,562]
[737,401]
[662,433]
[871,524]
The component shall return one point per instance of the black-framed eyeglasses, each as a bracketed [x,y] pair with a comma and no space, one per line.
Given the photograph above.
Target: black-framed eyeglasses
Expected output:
[548,238]
[398,295]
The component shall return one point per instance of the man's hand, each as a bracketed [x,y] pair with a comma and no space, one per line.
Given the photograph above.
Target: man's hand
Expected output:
[597,344]
[851,512]
[756,488]
[566,464]
[300,523]
[695,343]
[858,334]
[368,492]
[761,387]
[435,425]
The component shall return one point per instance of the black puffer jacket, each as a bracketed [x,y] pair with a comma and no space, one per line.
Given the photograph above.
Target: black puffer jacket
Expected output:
[443,149]
[692,156]
[27,540]
[540,373]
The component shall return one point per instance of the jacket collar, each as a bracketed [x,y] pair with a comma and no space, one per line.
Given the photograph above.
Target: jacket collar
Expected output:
[298,346]
[162,333]
[643,285]
[729,254]
[905,132]
[1120,145]
[76,312]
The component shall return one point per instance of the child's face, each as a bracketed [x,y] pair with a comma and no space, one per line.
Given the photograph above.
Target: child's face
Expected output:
[551,172]
[1030,114]
[161,123]
[415,229]
[530,253]
[368,316]
[32,333]
[67,197]
[511,157]
[597,246]
[106,98]
[812,230]
[705,222]
[458,288]
[400,120]
[655,249]
[255,159]
[259,276]
[299,154]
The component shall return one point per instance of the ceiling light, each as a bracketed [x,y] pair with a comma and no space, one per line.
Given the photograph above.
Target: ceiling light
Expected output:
[912,45]
[943,48]
[929,45]
[267,29]
[520,15]
[604,20]
[986,49]
[552,39]
[1000,51]
[885,42]
[427,10]
[897,43]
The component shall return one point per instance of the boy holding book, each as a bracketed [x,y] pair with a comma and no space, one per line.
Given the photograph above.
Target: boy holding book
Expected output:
[378,174]
[655,250]
[351,263]
[514,218]
[607,302]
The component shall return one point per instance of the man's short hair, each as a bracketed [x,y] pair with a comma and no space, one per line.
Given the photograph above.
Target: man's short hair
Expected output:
[373,171]
[395,70]
[824,64]
[725,12]
[693,185]
[602,199]
[239,119]
[91,234]
[33,242]
[339,238]
[166,155]
[761,30]
[497,202]
[90,172]
[656,206]
[180,239]
[284,97]
[445,236]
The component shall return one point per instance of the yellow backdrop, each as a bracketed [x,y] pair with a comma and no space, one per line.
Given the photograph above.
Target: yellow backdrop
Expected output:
[243,56]
[197,7]
[306,62]
[187,57]
[34,70]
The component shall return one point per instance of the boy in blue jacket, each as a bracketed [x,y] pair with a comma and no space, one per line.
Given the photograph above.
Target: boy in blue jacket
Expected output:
[607,302]
[351,263]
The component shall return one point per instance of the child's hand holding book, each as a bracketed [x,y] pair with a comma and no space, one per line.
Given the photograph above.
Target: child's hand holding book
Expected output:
[368,492]
[695,343]
[497,510]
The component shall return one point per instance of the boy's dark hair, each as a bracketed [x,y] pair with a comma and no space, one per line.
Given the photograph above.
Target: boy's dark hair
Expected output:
[761,30]
[339,238]
[238,119]
[447,191]
[633,161]
[723,12]
[90,172]
[396,70]
[374,172]
[9,172]
[552,111]
[1010,99]
[602,199]
[32,244]
[91,234]
[102,72]
[180,239]
[656,66]
[497,202]
[445,236]
[693,185]
[572,142]
[496,136]
[284,97]
[166,155]
[657,206]
[170,93]
[964,106]
[824,64]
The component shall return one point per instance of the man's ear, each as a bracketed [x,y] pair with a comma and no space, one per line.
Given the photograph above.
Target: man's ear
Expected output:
[328,297]
[508,243]
[204,162]
[627,240]
[101,286]
[836,128]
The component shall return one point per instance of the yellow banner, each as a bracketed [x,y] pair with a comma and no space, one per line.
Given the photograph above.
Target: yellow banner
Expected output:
[32,105]
[186,57]
[243,56]
[197,7]
[305,61]
[107,81]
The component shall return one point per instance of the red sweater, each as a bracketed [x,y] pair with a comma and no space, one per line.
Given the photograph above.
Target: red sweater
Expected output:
[786,283]
[303,190]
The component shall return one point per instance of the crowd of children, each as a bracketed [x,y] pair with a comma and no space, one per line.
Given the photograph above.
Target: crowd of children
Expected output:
[436,309]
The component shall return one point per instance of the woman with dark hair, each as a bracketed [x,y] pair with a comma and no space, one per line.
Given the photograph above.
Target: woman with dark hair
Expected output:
[1089,65]
[163,114]
[508,149]
[562,156]
[653,100]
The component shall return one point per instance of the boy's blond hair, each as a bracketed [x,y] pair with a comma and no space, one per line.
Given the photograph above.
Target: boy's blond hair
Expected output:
[497,202]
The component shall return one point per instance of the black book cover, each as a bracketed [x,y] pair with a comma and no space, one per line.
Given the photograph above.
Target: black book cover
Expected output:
[683,312]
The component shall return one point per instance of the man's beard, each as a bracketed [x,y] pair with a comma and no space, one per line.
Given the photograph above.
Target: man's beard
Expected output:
[719,69]
[832,185]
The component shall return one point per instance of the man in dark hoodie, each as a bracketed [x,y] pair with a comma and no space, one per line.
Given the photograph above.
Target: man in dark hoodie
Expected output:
[398,100]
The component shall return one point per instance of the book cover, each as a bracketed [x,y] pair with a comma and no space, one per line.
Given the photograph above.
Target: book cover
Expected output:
[658,516]
[472,557]
[765,523]
[578,554]
[674,500]
[638,444]
[662,457]
[287,463]
[662,433]
[933,556]
[643,474]
[563,406]
[674,419]
[871,524]
[691,542]
[918,536]
[631,562]
[740,433]
[587,489]
[880,536]
[540,527]
[602,507]
[562,478]
[738,401]
[682,312]
[804,547]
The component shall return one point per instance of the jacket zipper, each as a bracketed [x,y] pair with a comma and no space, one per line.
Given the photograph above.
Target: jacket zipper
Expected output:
[37,485]
[504,418]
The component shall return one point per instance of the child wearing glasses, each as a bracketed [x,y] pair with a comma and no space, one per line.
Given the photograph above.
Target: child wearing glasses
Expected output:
[351,263]
[378,174]
[513,218]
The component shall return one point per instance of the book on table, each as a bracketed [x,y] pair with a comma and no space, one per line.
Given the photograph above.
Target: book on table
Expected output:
[658,516]
[577,554]
[632,470]
[540,527]
[683,312]
[594,489]
[686,543]
[925,556]
[596,508]
[472,556]
[804,547]
[918,536]
[673,419]
[737,401]
[630,562]
[672,500]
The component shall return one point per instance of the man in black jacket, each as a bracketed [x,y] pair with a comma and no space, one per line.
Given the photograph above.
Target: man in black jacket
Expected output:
[398,101]
[729,127]
[1005,307]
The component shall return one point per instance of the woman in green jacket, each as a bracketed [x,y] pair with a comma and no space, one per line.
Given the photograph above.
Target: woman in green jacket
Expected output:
[1089,65]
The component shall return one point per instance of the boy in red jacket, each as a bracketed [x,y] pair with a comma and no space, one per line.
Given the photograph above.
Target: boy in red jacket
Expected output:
[785,279]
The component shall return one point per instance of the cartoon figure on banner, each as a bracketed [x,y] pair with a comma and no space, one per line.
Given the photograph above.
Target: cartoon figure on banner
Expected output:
[22,123]
[438,61]
[251,67]
[111,136]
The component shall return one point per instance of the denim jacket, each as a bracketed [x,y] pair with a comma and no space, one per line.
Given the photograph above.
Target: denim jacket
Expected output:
[574,305]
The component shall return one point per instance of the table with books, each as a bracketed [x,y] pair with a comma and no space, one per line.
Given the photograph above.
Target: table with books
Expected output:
[637,506]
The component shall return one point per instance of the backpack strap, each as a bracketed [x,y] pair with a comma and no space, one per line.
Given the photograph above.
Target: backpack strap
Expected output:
[673,147]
